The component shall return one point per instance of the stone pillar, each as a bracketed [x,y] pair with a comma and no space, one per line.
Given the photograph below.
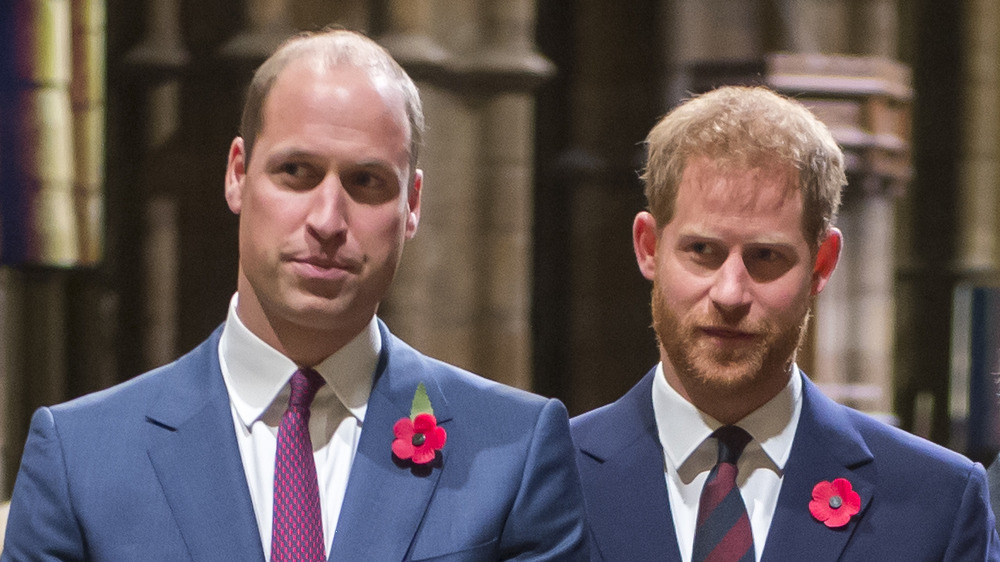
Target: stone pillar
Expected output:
[156,64]
[974,388]
[87,96]
[268,23]
[865,102]
[928,224]
[591,304]
[814,26]
[37,206]
[463,291]
[698,60]
[505,191]
[39,218]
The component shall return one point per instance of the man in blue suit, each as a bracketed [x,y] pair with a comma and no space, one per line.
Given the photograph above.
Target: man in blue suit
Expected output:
[725,450]
[411,459]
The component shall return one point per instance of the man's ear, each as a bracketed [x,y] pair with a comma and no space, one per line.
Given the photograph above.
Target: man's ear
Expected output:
[644,238]
[236,173]
[413,204]
[827,257]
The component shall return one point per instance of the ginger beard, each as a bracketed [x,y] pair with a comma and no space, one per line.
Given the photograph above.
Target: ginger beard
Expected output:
[701,364]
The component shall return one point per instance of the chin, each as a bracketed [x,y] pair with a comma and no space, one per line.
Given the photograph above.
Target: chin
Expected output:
[728,379]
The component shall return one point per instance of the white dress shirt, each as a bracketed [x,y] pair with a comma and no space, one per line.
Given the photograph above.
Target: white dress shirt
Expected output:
[257,377]
[689,454]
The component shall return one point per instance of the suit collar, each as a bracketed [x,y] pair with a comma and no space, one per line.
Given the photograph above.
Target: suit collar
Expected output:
[257,374]
[683,428]
[385,500]
[630,419]
[826,446]
[621,445]
[193,450]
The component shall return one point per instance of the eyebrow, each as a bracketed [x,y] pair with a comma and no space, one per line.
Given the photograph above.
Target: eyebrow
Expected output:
[765,240]
[291,154]
[294,153]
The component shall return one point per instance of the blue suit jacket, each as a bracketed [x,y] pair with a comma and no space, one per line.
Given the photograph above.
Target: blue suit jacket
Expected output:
[151,470]
[919,501]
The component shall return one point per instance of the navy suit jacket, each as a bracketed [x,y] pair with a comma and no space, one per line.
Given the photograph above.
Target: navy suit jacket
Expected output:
[919,501]
[151,470]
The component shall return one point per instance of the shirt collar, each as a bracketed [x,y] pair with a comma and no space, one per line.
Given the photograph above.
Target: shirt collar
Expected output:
[682,427]
[256,373]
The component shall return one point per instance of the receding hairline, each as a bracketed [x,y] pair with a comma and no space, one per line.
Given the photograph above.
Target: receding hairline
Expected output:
[329,49]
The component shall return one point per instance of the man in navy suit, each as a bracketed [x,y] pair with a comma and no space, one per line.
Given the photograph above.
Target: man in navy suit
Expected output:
[412,459]
[743,187]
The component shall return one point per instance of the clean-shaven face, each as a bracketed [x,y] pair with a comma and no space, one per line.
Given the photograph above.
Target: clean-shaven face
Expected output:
[324,206]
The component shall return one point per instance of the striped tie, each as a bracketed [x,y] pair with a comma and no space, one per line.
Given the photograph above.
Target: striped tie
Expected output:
[723,530]
[297,530]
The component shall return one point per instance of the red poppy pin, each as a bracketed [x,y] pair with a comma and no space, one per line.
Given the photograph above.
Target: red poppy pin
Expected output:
[418,437]
[834,502]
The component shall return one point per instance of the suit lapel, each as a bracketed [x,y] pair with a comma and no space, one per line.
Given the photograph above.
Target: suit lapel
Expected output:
[194,453]
[622,471]
[826,447]
[385,500]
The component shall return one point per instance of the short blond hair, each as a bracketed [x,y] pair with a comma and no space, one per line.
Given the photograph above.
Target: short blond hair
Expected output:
[745,127]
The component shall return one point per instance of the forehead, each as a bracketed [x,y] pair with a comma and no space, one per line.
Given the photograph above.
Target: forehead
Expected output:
[739,198]
[312,95]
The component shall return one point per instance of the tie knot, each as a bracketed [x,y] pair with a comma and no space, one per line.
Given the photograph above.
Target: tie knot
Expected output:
[305,383]
[732,440]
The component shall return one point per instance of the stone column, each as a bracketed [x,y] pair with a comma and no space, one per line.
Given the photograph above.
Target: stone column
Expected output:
[865,102]
[974,387]
[431,303]
[928,224]
[268,23]
[463,291]
[39,222]
[156,63]
[87,96]
[591,304]
[39,219]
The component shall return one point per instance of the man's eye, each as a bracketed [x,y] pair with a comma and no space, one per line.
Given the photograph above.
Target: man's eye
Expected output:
[293,169]
[369,187]
[765,254]
[767,264]
[296,175]
[700,248]
[365,179]
[704,254]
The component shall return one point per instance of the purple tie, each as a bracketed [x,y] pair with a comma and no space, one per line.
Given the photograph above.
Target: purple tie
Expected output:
[723,530]
[297,530]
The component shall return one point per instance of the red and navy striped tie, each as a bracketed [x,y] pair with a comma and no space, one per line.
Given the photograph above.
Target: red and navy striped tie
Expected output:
[723,530]
[297,530]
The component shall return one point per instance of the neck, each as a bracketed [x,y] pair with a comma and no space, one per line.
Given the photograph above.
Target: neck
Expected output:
[306,346]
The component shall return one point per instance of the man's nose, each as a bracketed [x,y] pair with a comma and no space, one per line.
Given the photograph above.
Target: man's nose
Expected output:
[327,217]
[731,287]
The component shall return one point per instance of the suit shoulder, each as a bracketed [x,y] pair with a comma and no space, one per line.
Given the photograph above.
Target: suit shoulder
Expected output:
[477,393]
[604,421]
[616,425]
[896,450]
[135,394]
